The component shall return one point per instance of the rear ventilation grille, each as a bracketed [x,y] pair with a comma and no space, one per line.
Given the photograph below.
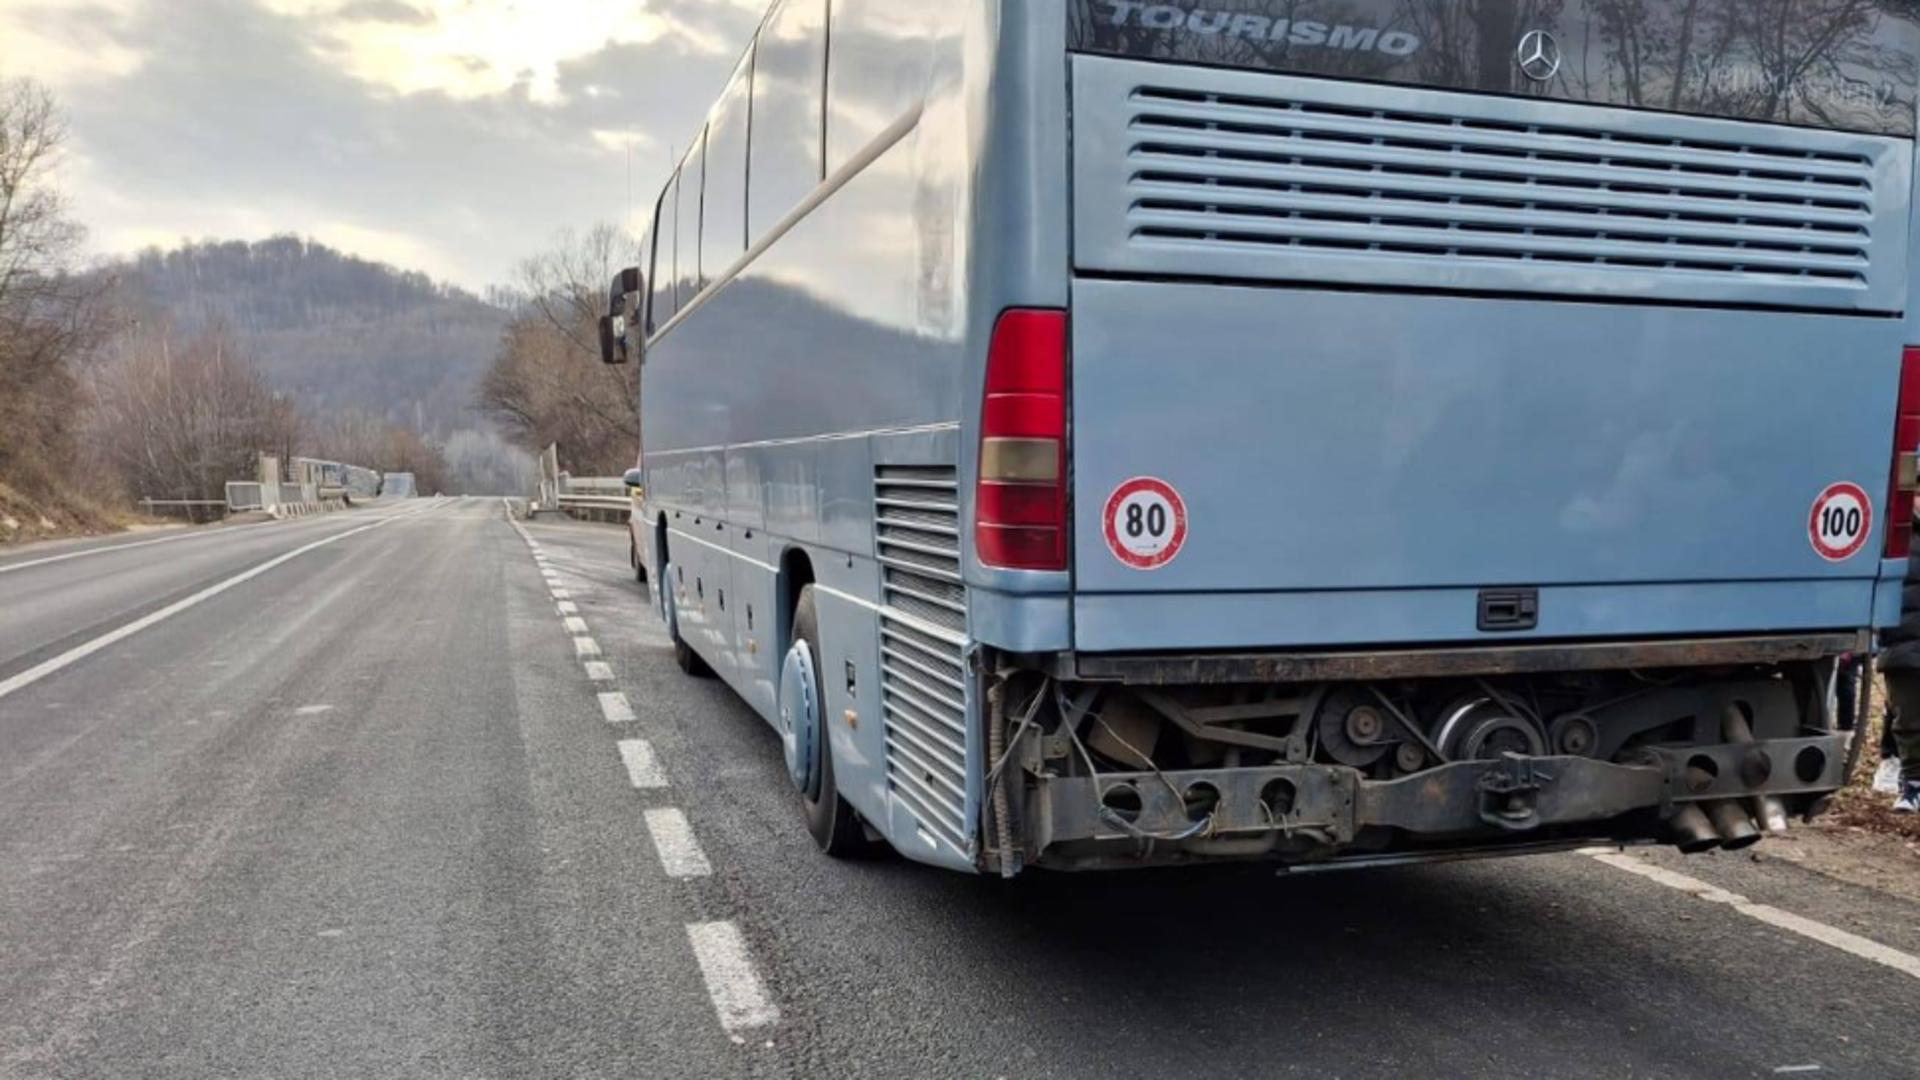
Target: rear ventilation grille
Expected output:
[1291,173]
[924,685]
[1436,190]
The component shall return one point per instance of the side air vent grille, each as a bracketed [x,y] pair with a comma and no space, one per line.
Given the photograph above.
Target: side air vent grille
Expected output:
[1315,180]
[917,524]
[924,685]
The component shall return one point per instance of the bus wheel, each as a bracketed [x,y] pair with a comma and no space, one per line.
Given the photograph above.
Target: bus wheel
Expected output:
[835,826]
[683,655]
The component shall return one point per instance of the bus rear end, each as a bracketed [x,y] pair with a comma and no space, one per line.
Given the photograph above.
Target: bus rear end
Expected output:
[1473,431]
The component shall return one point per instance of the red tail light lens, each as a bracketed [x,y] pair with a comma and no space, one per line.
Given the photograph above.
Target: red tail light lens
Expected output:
[1020,496]
[1906,458]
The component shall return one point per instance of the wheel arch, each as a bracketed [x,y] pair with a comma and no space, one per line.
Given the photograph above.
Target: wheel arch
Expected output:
[796,573]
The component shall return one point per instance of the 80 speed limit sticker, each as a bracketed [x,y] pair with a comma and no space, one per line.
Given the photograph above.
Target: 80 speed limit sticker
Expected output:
[1842,520]
[1146,523]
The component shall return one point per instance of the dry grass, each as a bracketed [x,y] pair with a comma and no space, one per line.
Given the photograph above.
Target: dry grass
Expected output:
[23,519]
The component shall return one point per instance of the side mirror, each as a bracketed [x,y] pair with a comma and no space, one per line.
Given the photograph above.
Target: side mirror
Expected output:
[613,339]
[626,283]
[635,479]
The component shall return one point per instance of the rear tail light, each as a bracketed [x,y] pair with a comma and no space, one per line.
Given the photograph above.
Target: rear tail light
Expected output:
[1020,496]
[1906,458]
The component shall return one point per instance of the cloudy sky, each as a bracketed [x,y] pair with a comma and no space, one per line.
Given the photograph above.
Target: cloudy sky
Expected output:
[450,136]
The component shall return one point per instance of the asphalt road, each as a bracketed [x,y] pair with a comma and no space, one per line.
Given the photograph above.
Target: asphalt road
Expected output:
[367,812]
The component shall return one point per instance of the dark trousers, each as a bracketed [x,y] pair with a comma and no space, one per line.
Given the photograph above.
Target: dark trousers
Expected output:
[1903,720]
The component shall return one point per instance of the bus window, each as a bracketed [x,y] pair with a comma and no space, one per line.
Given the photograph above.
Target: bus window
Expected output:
[667,216]
[789,87]
[687,257]
[879,70]
[723,235]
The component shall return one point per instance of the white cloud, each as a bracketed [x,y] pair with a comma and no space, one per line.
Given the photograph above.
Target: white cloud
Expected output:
[241,119]
[469,50]
[64,42]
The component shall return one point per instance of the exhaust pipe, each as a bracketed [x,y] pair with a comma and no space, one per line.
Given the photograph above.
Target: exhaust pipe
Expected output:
[1767,809]
[1692,832]
[1735,827]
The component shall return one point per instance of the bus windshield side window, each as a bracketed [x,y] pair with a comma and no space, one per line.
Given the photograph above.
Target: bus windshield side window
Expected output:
[789,90]
[668,216]
[723,234]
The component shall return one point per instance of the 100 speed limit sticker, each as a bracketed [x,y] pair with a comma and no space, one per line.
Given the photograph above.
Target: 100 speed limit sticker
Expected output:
[1145,523]
[1841,522]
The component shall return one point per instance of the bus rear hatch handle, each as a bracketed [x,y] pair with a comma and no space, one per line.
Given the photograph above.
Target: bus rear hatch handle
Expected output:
[1506,611]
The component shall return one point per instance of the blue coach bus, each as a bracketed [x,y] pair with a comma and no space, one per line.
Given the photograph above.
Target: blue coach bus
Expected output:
[1111,433]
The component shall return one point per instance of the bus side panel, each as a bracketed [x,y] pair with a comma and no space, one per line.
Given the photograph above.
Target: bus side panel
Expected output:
[851,711]
[753,604]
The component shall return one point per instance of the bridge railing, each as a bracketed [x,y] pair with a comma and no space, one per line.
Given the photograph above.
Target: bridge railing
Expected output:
[595,497]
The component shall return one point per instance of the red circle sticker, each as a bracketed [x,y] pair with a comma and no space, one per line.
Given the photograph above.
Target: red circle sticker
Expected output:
[1841,522]
[1146,523]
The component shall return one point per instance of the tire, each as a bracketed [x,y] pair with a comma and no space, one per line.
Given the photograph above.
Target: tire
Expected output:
[834,825]
[684,657]
[633,559]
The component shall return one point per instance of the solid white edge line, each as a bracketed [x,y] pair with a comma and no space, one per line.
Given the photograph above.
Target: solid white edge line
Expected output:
[642,768]
[1852,944]
[109,549]
[680,854]
[81,652]
[615,707]
[739,998]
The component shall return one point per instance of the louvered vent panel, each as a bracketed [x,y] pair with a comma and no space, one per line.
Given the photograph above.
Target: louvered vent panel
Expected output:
[922,645]
[1313,179]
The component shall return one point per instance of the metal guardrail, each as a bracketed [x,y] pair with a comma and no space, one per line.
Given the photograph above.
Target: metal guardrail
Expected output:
[596,493]
[593,497]
[243,496]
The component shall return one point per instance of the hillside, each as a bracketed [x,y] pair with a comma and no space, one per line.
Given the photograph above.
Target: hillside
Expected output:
[334,331]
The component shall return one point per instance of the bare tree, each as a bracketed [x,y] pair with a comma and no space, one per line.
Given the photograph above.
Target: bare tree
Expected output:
[548,385]
[49,316]
[178,419]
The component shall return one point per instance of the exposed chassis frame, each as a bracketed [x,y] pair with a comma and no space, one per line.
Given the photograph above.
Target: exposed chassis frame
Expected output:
[1533,658]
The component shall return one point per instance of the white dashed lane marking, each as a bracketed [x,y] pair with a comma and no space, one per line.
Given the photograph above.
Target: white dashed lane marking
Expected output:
[739,998]
[1772,916]
[615,708]
[680,854]
[642,769]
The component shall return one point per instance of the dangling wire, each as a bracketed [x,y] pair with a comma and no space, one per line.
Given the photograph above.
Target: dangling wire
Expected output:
[1070,720]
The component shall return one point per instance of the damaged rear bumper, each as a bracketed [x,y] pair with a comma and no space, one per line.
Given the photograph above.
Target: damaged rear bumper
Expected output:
[1315,813]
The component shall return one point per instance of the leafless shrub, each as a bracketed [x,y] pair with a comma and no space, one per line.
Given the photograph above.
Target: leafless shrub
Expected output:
[374,442]
[547,385]
[178,419]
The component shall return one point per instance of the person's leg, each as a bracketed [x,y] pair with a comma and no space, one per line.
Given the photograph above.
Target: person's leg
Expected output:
[1903,720]
[1905,726]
